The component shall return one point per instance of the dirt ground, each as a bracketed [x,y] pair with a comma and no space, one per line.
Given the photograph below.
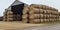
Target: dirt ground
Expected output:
[15,25]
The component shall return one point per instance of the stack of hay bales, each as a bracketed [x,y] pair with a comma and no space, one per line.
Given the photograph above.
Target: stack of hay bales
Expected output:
[34,14]
[42,13]
[25,14]
[8,15]
[5,15]
[41,18]
[53,14]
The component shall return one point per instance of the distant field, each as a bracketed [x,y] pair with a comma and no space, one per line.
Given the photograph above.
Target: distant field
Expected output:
[15,25]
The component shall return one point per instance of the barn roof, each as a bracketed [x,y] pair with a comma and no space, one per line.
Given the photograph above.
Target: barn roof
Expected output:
[16,2]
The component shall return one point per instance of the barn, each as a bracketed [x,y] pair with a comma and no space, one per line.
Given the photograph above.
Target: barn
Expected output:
[34,13]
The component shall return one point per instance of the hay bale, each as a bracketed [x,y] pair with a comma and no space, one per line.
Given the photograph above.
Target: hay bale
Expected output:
[41,10]
[36,20]
[31,12]
[48,20]
[41,20]
[24,20]
[45,11]
[31,16]
[24,16]
[9,19]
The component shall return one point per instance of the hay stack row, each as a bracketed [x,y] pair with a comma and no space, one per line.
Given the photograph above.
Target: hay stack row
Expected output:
[25,14]
[8,15]
[34,14]
[42,13]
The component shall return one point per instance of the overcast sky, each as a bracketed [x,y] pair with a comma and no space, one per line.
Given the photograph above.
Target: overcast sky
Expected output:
[6,3]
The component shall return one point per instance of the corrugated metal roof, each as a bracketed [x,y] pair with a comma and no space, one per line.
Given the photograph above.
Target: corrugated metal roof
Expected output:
[16,2]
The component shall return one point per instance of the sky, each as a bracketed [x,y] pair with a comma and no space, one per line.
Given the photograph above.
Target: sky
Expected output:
[6,3]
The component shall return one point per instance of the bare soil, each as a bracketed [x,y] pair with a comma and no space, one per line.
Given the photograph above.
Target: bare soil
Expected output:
[15,25]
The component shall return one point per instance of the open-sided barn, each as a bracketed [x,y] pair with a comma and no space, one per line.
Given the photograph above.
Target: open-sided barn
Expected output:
[34,13]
